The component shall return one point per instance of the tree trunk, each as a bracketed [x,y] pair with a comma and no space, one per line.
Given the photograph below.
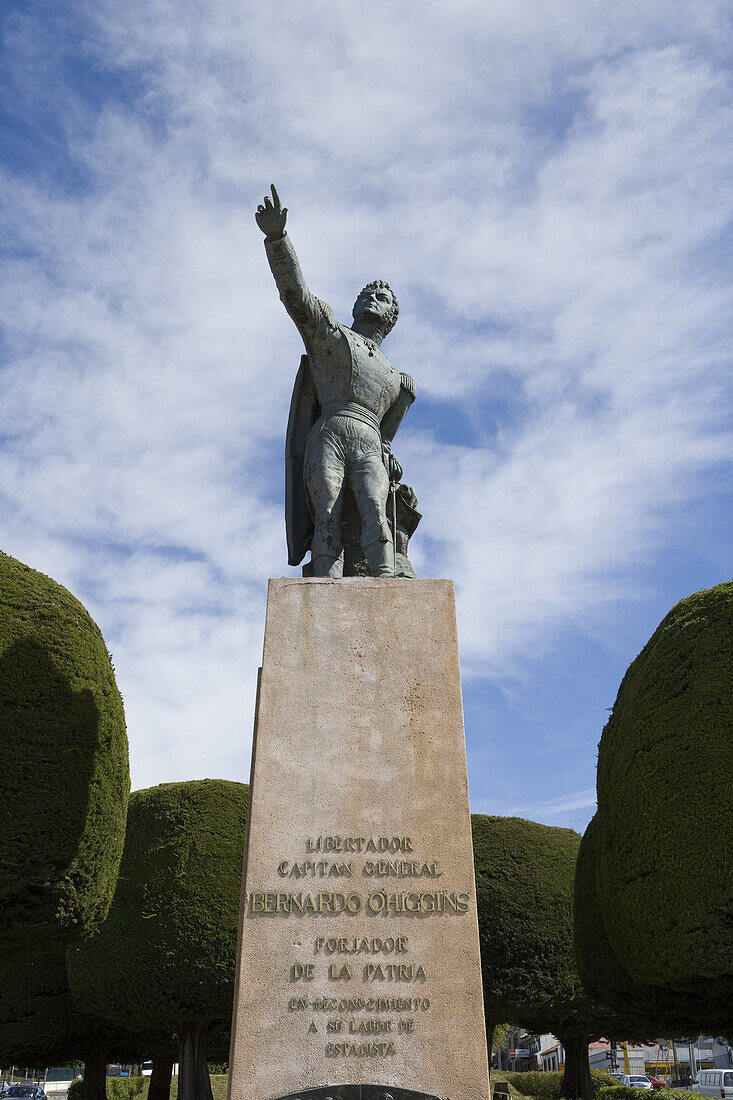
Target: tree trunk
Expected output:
[95,1076]
[490,1029]
[194,1082]
[160,1081]
[576,1082]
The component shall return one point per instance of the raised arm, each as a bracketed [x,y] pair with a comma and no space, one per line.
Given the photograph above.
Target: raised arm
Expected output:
[303,307]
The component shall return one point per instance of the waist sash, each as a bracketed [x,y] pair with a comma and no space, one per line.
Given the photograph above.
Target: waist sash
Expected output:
[351,409]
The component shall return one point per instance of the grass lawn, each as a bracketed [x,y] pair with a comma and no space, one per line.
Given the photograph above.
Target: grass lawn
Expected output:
[218,1087]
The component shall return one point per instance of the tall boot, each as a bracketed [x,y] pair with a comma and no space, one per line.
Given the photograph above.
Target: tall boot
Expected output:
[325,565]
[380,558]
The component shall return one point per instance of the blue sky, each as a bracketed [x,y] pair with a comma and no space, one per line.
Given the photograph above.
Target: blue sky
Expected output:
[547,187]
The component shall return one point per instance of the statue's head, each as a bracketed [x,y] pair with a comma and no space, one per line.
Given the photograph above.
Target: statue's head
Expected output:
[377,304]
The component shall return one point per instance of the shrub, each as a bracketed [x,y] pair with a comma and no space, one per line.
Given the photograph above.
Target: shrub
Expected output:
[165,957]
[545,1085]
[118,1088]
[623,1092]
[601,1079]
[124,1088]
[40,1024]
[525,875]
[665,818]
[665,798]
[646,1007]
[548,1084]
[64,799]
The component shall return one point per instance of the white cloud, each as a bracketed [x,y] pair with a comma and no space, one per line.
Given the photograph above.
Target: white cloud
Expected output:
[543,185]
[554,807]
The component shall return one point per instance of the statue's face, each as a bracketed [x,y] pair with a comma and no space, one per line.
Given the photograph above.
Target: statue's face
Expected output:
[374,304]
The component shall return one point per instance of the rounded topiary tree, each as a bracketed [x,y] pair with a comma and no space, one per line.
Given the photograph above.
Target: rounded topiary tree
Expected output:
[165,956]
[40,1024]
[664,833]
[687,1009]
[524,894]
[35,1009]
[649,1009]
[65,764]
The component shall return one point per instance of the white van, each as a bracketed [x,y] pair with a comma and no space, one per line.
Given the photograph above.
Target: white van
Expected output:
[715,1082]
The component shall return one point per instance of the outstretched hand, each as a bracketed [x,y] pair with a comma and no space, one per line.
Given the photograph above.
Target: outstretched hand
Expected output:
[271,217]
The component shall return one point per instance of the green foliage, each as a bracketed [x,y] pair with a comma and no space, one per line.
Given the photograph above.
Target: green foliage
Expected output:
[62,728]
[165,955]
[35,1009]
[118,1088]
[524,895]
[219,1087]
[601,1079]
[597,965]
[523,875]
[645,1007]
[75,1089]
[664,829]
[624,1092]
[546,1085]
[40,1024]
[498,1037]
[124,1088]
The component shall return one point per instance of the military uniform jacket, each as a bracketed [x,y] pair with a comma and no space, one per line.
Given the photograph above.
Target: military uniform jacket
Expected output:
[340,367]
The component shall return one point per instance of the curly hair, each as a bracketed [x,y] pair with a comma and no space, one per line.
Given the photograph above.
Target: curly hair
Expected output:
[391,318]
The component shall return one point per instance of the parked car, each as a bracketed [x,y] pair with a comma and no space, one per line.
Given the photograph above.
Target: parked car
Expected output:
[714,1082]
[25,1092]
[657,1082]
[636,1081]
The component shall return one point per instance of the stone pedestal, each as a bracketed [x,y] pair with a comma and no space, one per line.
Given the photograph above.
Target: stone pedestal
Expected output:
[358,970]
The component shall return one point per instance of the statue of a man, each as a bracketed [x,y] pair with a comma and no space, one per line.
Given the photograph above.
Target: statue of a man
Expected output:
[347,406]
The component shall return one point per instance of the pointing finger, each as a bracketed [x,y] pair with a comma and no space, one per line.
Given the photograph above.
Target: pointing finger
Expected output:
[275,196]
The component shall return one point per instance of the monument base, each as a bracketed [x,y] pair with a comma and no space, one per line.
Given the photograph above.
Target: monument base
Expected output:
[357,1092]
[358,969]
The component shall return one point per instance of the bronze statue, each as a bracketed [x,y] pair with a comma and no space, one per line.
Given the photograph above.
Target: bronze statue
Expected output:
[348,402]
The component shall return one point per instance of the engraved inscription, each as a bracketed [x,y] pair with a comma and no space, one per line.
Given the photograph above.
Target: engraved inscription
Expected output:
[339,973]
[403,868]
[394,972]
[360,1050]
[310,868]
[439,902]
[356,945]
[371,1023]
[302,972]
[359,844]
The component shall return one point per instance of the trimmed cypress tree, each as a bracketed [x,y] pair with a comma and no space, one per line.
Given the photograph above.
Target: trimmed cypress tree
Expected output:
[657,869]
[652,1009]
[40,1024]
[524,894]
[62,730]
[665,802]
[35,1009]
[165,956]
